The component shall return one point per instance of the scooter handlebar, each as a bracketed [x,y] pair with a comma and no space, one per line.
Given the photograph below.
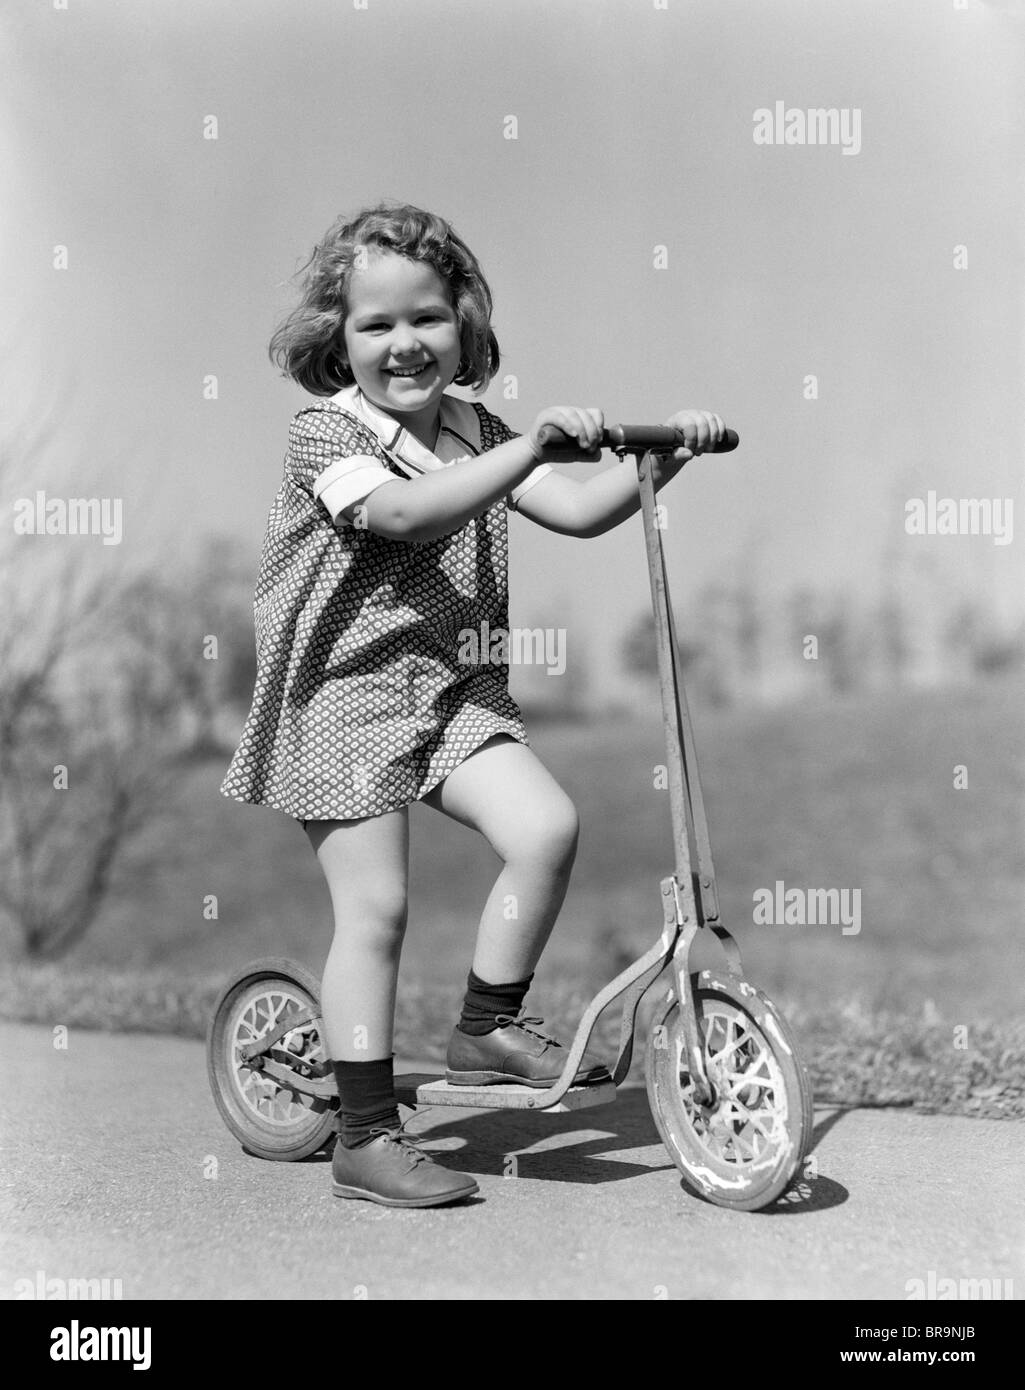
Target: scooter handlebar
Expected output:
[633,438]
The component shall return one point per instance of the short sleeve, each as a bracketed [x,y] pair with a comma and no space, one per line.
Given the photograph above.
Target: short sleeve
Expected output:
[534,476]
[494,432]
[333,459]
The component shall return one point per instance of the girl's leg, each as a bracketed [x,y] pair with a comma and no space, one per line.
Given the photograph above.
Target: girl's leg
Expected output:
[366,864]
[504,791]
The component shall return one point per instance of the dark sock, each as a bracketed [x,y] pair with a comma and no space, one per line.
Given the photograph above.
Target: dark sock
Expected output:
[366,1091]
[484,1002]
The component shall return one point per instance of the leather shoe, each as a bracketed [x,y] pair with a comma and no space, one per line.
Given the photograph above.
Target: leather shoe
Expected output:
[514,1052]
[393,1171]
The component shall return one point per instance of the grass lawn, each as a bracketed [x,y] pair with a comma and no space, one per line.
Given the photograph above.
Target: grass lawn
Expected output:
[854,794]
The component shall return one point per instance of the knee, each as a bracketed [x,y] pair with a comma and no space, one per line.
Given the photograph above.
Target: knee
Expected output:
[551,836]
[373,923]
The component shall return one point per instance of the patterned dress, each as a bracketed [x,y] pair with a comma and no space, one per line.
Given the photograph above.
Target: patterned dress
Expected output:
[364,698]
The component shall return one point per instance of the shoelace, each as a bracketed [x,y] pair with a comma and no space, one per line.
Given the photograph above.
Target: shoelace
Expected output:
[408,1143]
[521,1021]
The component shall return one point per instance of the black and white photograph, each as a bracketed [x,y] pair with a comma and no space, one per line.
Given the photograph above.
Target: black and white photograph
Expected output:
[512,666]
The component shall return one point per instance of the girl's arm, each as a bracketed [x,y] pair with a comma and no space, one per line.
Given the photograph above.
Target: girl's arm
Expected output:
[592,507]
[422,509]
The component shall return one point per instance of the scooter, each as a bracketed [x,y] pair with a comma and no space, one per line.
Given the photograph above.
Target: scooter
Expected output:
[728,1092]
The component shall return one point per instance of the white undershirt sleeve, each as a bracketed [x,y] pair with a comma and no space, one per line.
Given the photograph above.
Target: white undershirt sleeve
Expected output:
[350,480]
[534,476]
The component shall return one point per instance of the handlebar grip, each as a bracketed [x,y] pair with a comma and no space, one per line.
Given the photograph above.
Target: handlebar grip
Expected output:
[633,438]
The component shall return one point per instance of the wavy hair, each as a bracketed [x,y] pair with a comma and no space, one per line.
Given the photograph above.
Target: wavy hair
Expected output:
[309,343]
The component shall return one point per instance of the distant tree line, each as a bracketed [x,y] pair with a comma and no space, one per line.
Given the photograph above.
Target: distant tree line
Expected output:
[736,645]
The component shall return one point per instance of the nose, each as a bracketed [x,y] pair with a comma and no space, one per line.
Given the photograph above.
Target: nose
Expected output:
[404,340]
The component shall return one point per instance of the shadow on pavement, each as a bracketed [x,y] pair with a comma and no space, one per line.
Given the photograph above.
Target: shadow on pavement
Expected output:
[497,1143]
[824,1126]
[494,1141]
[810,1191]
[806,1195]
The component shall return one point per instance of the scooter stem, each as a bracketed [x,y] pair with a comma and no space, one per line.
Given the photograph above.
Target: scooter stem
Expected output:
[692,898]
[687,808]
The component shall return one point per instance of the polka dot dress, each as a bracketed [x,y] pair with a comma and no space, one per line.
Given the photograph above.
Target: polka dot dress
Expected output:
[361,703]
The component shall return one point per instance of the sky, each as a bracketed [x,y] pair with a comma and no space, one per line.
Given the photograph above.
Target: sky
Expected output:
[635,126]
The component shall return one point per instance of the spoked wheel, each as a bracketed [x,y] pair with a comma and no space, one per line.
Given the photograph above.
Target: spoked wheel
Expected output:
[743,1149]
[268,1117]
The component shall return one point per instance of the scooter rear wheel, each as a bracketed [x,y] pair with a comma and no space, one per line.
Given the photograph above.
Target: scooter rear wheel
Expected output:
[270,1119]
[746,1147]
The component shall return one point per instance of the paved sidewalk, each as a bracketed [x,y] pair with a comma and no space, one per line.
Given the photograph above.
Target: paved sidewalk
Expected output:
[115,1164]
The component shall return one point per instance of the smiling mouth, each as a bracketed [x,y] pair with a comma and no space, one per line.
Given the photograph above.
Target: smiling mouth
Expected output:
[408,372]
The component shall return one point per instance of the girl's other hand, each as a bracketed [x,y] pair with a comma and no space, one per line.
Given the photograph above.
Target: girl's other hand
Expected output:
[701,429]
[585,426]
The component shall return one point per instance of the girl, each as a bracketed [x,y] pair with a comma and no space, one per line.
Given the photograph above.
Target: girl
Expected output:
[386,541]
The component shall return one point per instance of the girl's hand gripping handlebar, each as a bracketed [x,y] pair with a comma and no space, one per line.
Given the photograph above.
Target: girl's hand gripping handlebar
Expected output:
[558,446]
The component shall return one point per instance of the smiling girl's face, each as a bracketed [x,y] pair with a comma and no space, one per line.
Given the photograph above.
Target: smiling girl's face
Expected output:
[402,340]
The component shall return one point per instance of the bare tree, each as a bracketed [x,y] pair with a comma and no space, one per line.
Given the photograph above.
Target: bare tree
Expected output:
[87,734]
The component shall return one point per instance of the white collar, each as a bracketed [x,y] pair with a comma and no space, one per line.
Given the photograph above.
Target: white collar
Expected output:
[459,426]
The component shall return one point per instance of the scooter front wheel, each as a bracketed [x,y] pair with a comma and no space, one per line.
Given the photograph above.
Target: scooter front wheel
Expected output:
[270,1118]
[744,1148]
